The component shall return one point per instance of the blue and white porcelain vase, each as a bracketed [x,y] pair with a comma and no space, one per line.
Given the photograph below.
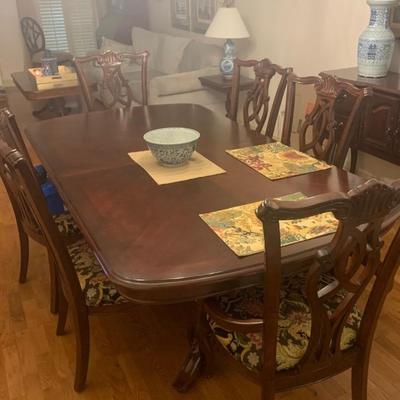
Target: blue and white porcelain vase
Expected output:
[376,43]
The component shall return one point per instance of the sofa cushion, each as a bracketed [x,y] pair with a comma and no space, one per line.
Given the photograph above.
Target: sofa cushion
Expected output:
[198,55]
[183,82]
[117,47]
[171,53]
[143,40]
[135,82]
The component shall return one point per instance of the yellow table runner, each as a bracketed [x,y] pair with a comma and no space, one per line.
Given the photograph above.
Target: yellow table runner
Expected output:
[197,167]
[242,231]
[277,161]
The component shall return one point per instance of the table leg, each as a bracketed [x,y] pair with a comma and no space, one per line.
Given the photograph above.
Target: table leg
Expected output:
[200,356]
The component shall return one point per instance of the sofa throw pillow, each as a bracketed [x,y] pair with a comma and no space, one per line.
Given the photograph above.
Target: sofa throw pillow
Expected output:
[171,53]
[117,47]
[143,40]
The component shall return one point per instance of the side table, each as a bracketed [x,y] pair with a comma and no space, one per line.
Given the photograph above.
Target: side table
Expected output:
[218,83]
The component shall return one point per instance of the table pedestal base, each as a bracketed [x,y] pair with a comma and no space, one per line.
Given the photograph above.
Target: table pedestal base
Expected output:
[200,360]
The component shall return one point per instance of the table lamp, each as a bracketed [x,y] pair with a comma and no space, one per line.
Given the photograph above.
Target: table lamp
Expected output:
[228,24]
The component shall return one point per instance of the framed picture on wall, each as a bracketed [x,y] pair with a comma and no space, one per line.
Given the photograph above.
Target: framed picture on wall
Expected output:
[395,21]
[180,14]
[203,12]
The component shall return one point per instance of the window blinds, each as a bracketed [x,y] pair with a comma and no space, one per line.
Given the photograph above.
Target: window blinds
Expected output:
[80,19]
[69,25]
[53,24]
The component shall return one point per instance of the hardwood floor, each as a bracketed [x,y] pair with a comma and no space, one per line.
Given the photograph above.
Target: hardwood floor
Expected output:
[135,356]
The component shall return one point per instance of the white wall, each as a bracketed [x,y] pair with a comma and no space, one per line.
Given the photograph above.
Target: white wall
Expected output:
[11,42]
[309,35]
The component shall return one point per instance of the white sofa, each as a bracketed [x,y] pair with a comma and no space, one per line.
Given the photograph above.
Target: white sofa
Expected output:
[175,64]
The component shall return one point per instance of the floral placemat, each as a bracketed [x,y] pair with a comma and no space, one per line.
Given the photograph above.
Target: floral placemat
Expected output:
[242,231]
[277,161]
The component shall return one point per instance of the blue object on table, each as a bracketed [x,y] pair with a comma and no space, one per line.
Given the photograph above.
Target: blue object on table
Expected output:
[53,199]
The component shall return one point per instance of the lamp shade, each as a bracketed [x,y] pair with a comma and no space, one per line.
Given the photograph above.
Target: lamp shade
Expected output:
[227,24]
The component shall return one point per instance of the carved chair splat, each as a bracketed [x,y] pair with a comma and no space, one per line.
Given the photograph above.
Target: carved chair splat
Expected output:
[331,134]
[33,35]
[114,88]
[259,109]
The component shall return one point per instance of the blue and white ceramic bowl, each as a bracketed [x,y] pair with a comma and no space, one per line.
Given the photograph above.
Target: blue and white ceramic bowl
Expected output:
[172,147]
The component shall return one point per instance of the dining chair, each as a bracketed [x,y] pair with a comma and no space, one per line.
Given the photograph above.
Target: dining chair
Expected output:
[83,286]
[258,109]
[36,43]
[26,225]
[320,320]
[105,72]
[326,131]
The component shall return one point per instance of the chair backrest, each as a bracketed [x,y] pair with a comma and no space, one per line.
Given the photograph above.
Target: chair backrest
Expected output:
[113,86]
[12,134]
[33,35]
[352,260]
[16,173]
[331,131]
[258,106]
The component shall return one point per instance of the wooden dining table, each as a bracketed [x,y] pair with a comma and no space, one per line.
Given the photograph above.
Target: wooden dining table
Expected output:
[148,238]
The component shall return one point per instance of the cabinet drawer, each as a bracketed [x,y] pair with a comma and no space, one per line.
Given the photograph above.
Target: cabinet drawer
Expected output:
[380,134]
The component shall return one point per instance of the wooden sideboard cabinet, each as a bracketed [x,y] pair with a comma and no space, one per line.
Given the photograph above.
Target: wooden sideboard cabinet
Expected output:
[379,129]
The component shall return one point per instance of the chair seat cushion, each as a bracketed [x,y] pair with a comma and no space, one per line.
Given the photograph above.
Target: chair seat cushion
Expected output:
[294,326]
[66,224]
[97,288]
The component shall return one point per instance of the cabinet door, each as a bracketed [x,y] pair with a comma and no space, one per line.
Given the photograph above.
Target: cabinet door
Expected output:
[381,132]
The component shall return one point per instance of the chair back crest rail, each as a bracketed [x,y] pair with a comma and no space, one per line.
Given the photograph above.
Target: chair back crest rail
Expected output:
[352,261]
[113,81]
[33,35]
[258,108]
[331,134]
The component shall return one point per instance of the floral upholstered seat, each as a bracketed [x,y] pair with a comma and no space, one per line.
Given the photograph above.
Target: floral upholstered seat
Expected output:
[97,288]
[66,224]
[294,325]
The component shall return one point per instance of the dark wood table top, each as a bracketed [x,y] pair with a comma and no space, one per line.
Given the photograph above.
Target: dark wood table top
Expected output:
[149,238]
[27,85]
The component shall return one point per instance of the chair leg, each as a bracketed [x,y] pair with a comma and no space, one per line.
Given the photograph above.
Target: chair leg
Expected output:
[62,311]
[82,334]
[24,253]
[359,380]
[53,283]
